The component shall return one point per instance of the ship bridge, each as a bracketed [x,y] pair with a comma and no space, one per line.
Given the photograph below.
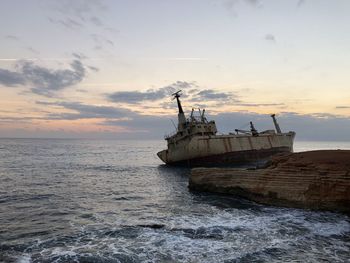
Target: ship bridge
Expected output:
[195,124]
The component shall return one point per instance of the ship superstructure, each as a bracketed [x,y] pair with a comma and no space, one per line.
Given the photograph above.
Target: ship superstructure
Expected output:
[196,142]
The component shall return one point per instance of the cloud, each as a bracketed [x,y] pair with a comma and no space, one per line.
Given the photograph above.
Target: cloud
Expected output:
[68,22]
[270,37]
[212,95]
[342,107]
[253,2]
[260,104]
[46,81]
[82,16]
[318,126]
[134,97]
[16,119]
[33,50]
[100,40]
[11,78]
[84,111]
[77,8]
[232,5]
[79,56]
[18,40]
[192,95]
[79,13]
[12,37]
[306,126]
[151,126]
[81,90]
[96,21]
[148,126]
[300,3]
[93,68]
[43,81]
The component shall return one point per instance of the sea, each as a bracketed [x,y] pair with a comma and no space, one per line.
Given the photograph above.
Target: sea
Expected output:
[79,200]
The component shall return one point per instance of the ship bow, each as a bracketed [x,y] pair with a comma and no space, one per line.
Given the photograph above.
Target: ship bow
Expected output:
[163,155]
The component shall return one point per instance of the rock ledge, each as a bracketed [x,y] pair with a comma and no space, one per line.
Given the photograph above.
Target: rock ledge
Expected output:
[314,180]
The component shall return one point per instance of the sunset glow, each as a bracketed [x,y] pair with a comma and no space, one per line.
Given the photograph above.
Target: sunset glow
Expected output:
[91,68]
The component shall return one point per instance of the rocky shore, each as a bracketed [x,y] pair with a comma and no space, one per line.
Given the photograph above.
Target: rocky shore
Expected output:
[313,179]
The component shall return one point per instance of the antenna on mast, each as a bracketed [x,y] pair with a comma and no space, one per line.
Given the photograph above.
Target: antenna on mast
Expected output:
[181,116]
[177,95]
[173,124]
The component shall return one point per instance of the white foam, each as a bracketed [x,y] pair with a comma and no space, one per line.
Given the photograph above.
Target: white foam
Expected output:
[192,237]
[25,259]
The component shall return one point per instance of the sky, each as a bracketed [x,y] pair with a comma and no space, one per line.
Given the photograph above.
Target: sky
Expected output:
[107,68]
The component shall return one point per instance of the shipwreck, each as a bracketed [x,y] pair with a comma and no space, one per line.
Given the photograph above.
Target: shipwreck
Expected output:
[196,142]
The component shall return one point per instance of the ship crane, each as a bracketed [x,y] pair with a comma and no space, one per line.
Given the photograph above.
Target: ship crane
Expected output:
[199,118]
[242,131]
[252,131]
[277,127]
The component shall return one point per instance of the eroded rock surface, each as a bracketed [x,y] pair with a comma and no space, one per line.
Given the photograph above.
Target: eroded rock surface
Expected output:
[314,179]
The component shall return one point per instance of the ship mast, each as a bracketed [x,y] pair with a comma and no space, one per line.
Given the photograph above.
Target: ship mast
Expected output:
[277,127]
[180,115]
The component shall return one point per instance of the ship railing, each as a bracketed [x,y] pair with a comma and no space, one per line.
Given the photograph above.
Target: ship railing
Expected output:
[167,136]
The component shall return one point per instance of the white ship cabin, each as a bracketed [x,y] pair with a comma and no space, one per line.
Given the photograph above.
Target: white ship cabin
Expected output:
[193,125]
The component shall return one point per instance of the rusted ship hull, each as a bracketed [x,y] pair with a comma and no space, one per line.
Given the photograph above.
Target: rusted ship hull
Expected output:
[227,150]
[252,157]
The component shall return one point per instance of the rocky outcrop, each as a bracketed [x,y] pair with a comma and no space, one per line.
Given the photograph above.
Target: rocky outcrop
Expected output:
[314,179]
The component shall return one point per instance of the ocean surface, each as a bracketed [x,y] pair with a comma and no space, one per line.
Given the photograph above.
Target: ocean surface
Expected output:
[114,201]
